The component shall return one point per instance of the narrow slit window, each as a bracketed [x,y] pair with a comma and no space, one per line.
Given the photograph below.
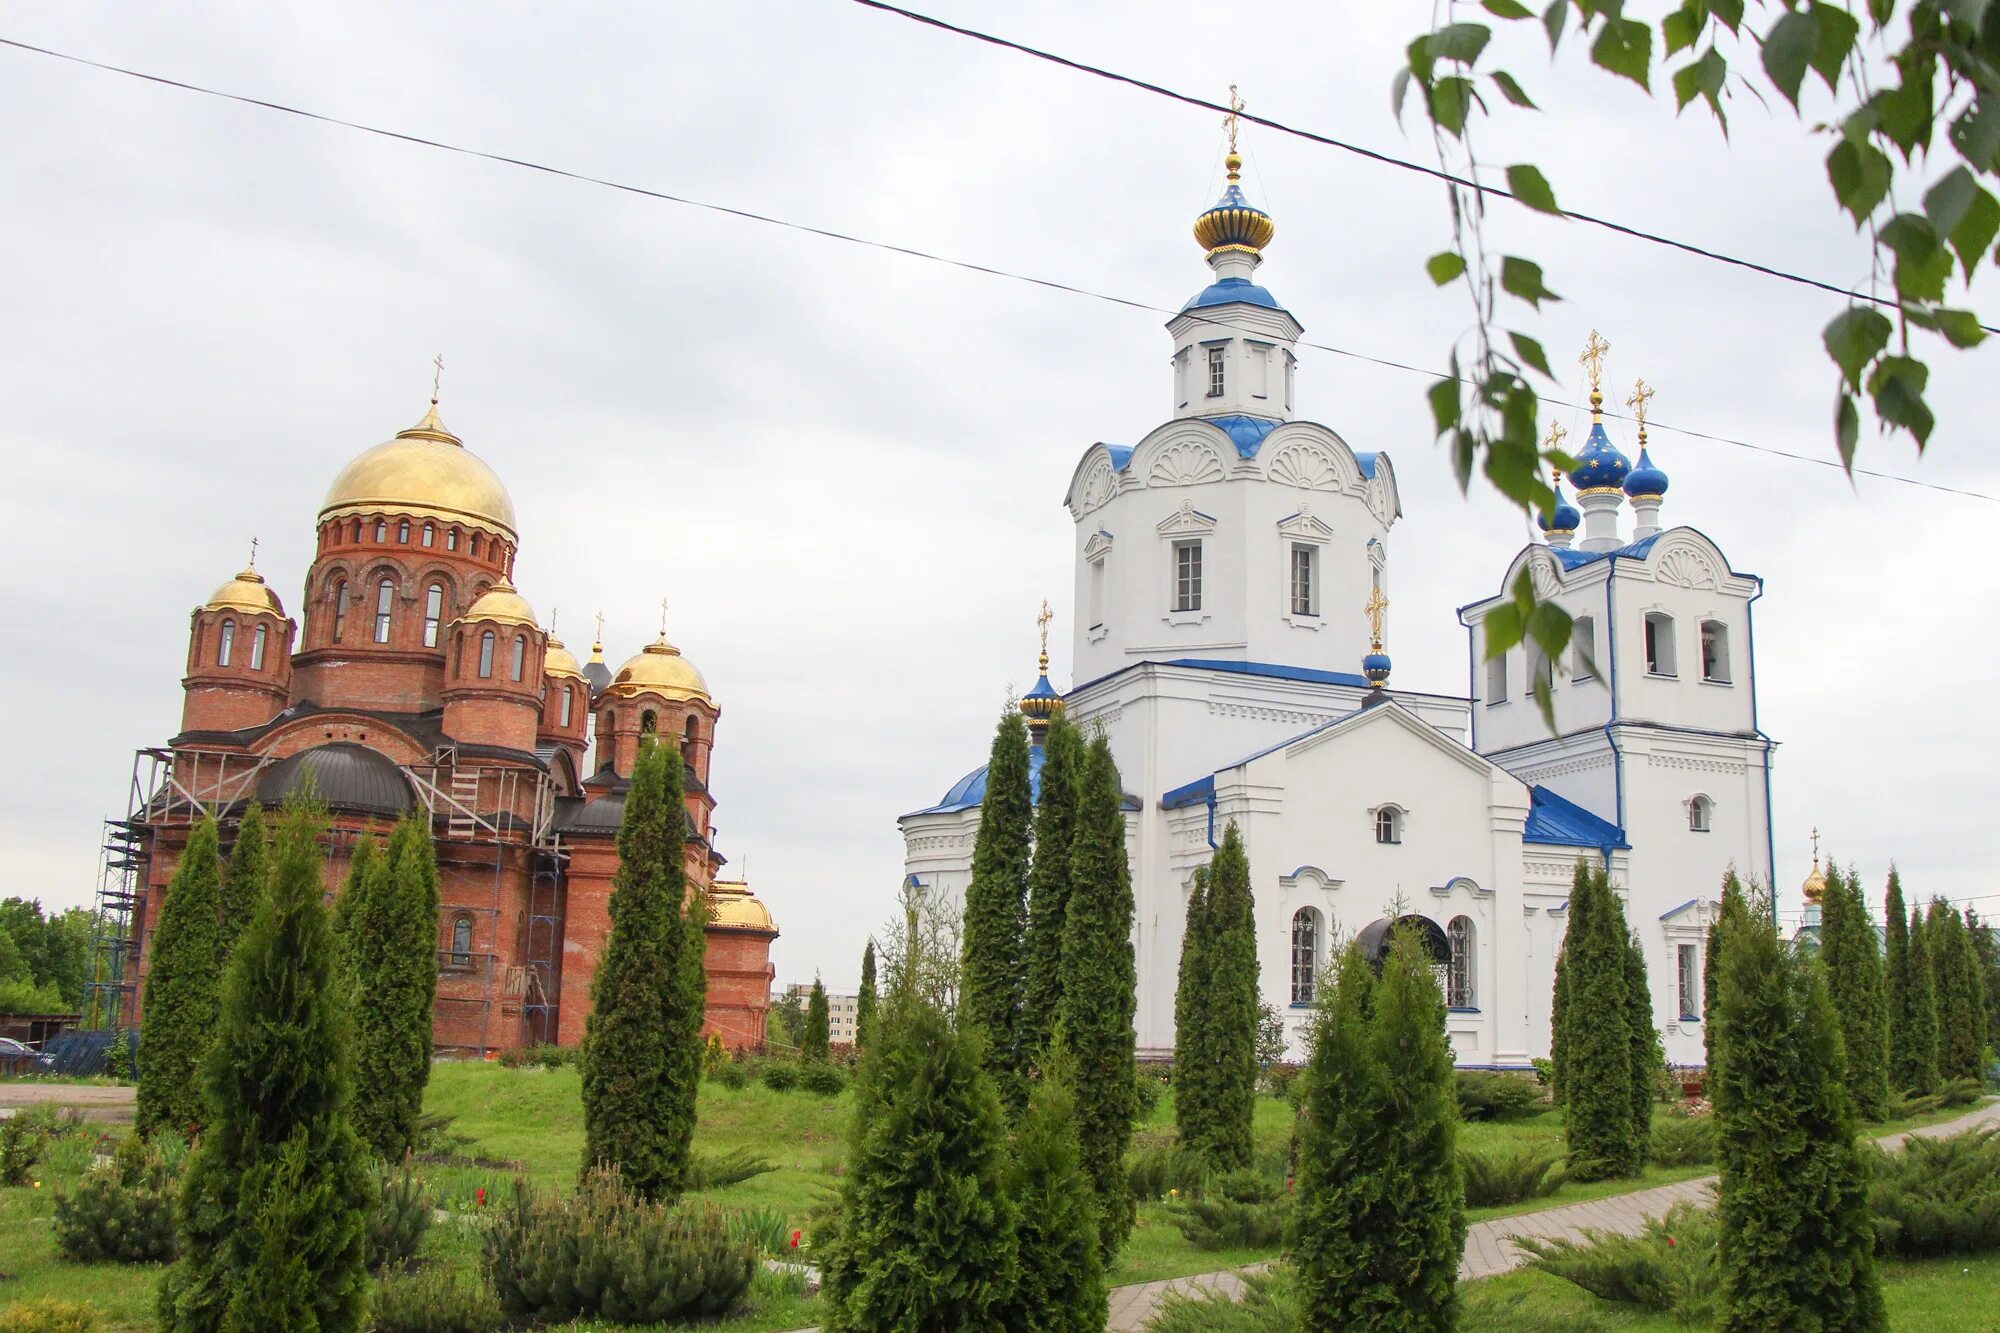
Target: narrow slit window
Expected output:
[566,697]
[433,614]
[451,540]
[1187,576]
[461,942]
[486,655]
[520,655]
[385,605]
[1583,641]
[1305,954]
[1690,979]
[339,609]
[403,533]
[228,645]
[1305,588]
[1216,372]
[381,530]
[1496,680]
[1460,992]
[257,647]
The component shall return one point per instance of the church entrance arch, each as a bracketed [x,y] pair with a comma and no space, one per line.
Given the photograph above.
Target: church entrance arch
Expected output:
[1374,939]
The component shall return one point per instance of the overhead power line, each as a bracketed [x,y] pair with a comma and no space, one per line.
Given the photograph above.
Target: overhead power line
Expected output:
[849,238]
[1373,155]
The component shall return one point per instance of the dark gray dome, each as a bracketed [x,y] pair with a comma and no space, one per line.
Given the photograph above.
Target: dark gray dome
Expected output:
[342,775]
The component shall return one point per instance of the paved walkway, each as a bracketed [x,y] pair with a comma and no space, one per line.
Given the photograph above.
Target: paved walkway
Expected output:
[98,1101]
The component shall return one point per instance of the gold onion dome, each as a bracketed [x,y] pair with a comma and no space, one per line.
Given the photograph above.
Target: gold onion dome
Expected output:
[246,592]
[732,906]
[1814,888]
[426,472]
[560,661]
[659,669]
[503,604]
[1234,223]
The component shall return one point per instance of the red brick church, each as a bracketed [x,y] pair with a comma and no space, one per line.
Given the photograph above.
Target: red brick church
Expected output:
[422,681]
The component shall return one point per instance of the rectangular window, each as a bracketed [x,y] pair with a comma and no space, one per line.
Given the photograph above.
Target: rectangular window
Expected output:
[1659,644]
[1187,576]
[1690,976]
[1097,592]
[1496,680]
[1715,652]
[1305,590]
[1583,640]
[1215,372]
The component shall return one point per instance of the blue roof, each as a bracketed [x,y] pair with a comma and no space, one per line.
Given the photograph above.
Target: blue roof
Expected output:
[1571,558]
[1599,464]
[1247,433]
[1367,462]
[1274,671]
[1193,793]
[1042,690]
[1121,454]
[970,790]
[1646,480]
[1554,821]
[1198,791]
[1230,290]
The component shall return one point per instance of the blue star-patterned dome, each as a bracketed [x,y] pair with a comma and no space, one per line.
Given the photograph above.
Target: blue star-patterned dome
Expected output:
[1599,466]
[1565,517]
[1375,666]
[1646,481]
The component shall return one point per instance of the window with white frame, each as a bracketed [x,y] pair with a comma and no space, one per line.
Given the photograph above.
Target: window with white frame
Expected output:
[1460,989]
[1389,825]
[486,655]
[1583,648]
[430,534]
[1660,644]
[1097,591]
[1305,954]
[385,606]
[1305,586]
[257,647]
[1187,576]
[565,706]
[520,655]
[1496,680]
[1215,372]
[403,533]
[227,648]
[1701,814]
[1715,652]
[433,614]
[1690,978]
[381,530]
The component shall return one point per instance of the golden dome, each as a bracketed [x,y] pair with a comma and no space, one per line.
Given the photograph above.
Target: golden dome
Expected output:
[426,471]
[659,669]
[1815,886]
[1234,223]
[246,592]
[733,907]
[560,661]
[502,603]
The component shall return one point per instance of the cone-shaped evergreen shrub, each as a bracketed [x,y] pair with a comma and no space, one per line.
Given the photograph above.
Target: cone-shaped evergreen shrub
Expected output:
[1854,983]
[1048,884]
[996,907]
[1912,1024]
[183,984]
[1955,981]
[1099,978]
[1923,995]
[864,1003]
[1577,926]
[1733,906]
[393,954]
[1986,949]
[926,1234]
[632,1117]
[1230,997]
[249,871]
[819,1023]
[1193,1072]
[1603,1078]
[1797,1242]
[274,1205]
[1062,1284]
[1649,1051]
[352,904]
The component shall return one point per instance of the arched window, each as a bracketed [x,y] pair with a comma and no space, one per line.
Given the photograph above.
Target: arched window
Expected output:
[461,942]
[1701,814]
[1660,644]
[228,645]
[648,724]
[451,540]
[567,692]
[1583,642]
[1715,652]
[381,529]
[403,533]
[340,607]
[693,728]
[1305,954]
[520,655]
[433,613]
[604,727]
[1389,825]
[475,543]
[357,530]
[385,603]
[486,655]
[1460,990]
[430,534]
[257,648]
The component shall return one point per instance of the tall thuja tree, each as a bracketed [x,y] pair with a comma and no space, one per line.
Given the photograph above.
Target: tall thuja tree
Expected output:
[395,972]
[183,989]
[1853,962]
[1062,1284]
[352,905]
[1193,1069]
[1797,1239]
[1602,1075]
[1986,949]
[864,1003]
[1912,1031]
[249,871]
[996,904]
[1345,1110]
[1578,926]
[1099,981]
[1923,998]
[1230,996]
[273,1207]
[1961,1009]
[1649,1051]
[819,1022]
[628,1118]
[1734,905]
[1048,883]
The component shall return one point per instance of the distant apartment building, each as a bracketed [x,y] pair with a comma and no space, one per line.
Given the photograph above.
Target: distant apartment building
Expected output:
[840,1009]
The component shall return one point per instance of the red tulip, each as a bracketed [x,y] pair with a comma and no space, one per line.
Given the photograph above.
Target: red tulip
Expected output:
[795,1239]
[1671,1242]
[482,1196]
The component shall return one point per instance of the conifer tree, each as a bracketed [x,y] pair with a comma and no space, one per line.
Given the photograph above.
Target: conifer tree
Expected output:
[1343,1113]
[183,990]
[249,871]
[1912,1043]
[1961,1009]
[1193,1069]
[1986,948]
[1578,926]
[1854,984]
[1602,1078]
[1098,990]
[273,1207]
[395,971]
[926,1236]
[996,905]
[819,1023]
[1230,997]
[352,903]
[1062,1284]
[1048,884]
[864,1003]
[1923,1000]
[1649,1051]
[1732,906]
[1797,1239]
[632,1116]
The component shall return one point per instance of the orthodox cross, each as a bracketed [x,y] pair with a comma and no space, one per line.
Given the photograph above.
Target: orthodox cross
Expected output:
[437,376]
[1229,122]
[1815,846]
[1043,620]
[1377,604]
[1593,358]
[1641,395]
[600,631]
[663,617]
[1557,434]
[253,553]
[552,620]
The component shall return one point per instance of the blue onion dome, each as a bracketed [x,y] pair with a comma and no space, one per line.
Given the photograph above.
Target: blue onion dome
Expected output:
[1041,703]
[1234,223]
[1646,481]
[1375,666]
[1599,465]
[1565,517]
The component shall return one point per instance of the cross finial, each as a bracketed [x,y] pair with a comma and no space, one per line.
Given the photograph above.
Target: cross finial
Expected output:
[1593,360]
[598,647]
[1043,621]
[663,617]
[437,377]
[253,553]
[1641,395]
[552,620]
[1815,837]
[1377,605]
[1231,121]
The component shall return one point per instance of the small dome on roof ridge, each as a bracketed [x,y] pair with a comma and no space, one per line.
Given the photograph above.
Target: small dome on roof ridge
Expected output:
[659,669]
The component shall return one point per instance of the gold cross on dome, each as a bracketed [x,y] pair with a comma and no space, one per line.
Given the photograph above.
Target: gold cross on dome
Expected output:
[600,631]
[1230,121]
[1377,604]
[437,376]
[1043,620]
[1593,358]
[253,553]
[663,617]
[1815,844]
[1641,395]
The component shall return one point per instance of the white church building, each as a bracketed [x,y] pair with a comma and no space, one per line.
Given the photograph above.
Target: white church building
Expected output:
[1223,564]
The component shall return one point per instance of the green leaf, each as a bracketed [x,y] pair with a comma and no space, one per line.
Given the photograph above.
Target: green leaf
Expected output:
[1788,50]
[1444,399]
[1703,78]
[1531,352]
[1910,236]
[1553,19]
[1464,447]
[1399,89]
[1976,134]
[1523,278]
[1682,28]
[1450,102]
[1625,46]
[1855,337]
[1510,88]
[1838,31]
[1975,231]
[1527,184]
[1508,9]
[1960,327]
[1946,202]
[1729,13]
[1846,429]
[1460,42]
[1444,266]
[1897,387]
[1860,174]
[1549,626]
[1503,625]
[1907,111]
[1422,63]
[1923,264]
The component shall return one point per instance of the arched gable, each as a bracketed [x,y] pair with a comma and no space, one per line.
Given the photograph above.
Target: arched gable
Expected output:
[1188,452]
[322,727]
[1687,558]
[1095,480]
[1310,456]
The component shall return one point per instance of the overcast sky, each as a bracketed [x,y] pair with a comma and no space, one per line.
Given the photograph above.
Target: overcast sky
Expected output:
[843,467]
